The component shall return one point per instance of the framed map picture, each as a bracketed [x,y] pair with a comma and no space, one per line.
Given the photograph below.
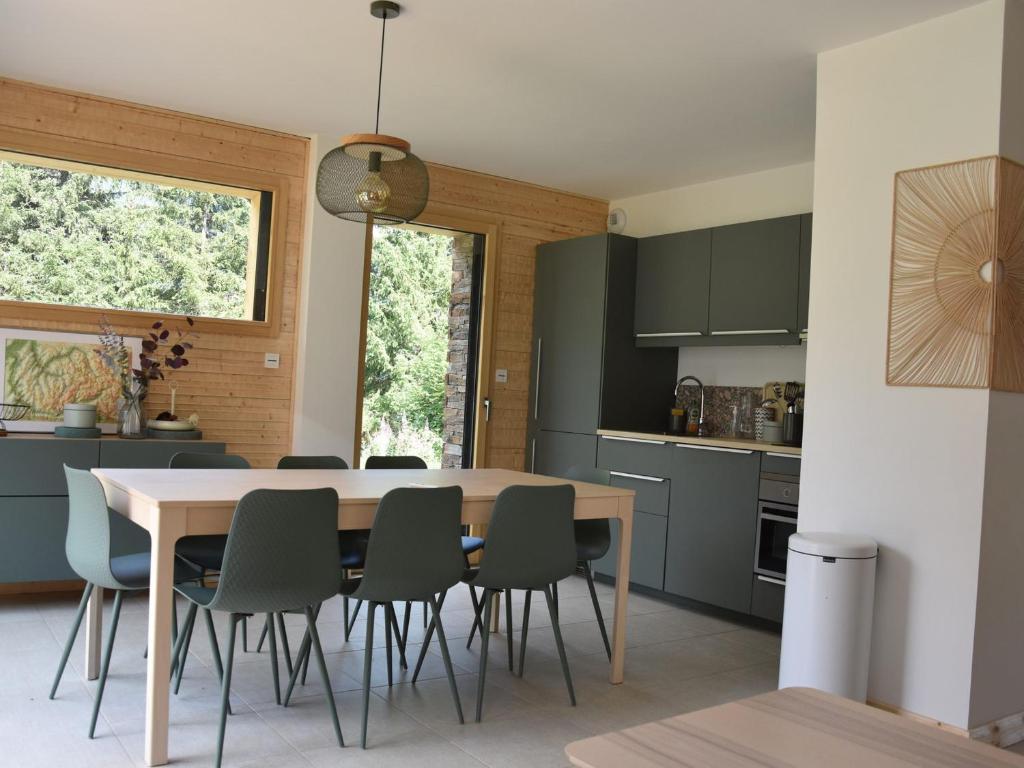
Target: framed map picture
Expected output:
[46,369]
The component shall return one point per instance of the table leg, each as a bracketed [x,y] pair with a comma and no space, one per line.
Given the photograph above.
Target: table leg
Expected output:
[621,592]
[158,665]
[93,634]
[496,612]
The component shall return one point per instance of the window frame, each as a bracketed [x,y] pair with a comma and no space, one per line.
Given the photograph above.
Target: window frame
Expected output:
[130,160]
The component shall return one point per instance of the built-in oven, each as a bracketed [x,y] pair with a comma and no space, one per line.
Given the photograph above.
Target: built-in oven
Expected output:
[776,522]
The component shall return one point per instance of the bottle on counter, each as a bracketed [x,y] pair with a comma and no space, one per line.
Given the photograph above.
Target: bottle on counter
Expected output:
[677,421]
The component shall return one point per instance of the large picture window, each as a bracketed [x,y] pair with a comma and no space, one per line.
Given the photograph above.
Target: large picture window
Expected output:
[80,235]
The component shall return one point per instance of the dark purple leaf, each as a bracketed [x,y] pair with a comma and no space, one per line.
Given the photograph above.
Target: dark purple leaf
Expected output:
[178,349]
[190,321]
[145,362]
[176,364]
[164,334]
[154,337]
[184,362]
[149,345]
[158,324]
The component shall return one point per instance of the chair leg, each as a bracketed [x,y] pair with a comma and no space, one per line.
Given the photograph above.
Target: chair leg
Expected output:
[508,626]
[435,608]
[405,632]
[478,608]
[225,686]
[424,615]
[105,666]
[344,616]
[272,637]
[367,667]
[558,642]
[388,620]
[597,609]
[526,626]
[211,632]
[245,634]
[86,594]
[319,651]
[554,596]
[399,637]
[263,637]
[300,659]
[284,644]
[426,639]
[355,615]
[305,659]
[186,631]
[484,636]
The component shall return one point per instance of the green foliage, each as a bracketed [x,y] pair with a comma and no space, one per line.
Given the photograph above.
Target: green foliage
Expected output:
[407,343]
[80,239]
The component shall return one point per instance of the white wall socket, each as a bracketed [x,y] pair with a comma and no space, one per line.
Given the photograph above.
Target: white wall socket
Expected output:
[501,375]
[272,360]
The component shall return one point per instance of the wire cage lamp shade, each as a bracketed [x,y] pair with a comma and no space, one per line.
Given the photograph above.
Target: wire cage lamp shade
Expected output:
[371,174]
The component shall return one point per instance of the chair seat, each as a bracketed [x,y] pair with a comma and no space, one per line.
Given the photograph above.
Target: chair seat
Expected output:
[197,594]
[205,551]
[133,570]
[591,550]
[593,539]
[348,586]
[471,544]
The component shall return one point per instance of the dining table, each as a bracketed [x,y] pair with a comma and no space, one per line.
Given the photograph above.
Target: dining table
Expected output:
[173,503]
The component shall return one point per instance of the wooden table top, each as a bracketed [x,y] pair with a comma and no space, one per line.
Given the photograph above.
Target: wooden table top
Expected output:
[217,487]
[792,728]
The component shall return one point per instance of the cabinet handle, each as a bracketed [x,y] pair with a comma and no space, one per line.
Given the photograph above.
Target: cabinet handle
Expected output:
[777,518]
[533,456]
[713,448]
[536,391]
[632,440]
[648,478]
[757,332]
[770,580]
[669,333]
[778,455]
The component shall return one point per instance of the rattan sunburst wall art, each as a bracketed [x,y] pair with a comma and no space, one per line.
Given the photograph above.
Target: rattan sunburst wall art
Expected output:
[956,307]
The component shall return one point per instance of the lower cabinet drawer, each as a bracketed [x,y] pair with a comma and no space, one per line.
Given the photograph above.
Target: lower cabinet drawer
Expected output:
[767,598]
[150,454]
[651,492]
[647,558]
[646,457]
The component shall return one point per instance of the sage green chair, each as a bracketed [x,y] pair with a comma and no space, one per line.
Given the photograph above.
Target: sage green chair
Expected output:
[88,551]
[530,546]
[593,540]
[414,554]
[281,556]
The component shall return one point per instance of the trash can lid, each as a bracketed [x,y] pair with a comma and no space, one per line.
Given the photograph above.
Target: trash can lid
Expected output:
[842,545]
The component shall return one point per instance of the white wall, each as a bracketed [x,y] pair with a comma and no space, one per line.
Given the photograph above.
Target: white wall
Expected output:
[904,465]
[752,196]
[330,288]
[998,676]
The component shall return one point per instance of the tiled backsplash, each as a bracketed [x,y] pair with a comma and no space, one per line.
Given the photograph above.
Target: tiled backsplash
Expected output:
[718,405]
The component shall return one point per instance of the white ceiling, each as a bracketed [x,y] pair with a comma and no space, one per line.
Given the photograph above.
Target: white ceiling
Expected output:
[603,97]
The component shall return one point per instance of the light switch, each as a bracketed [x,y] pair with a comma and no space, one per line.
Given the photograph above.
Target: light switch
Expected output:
[272,360]
[501,375]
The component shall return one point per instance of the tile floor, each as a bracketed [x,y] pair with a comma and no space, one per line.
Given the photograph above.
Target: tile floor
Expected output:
[677,660]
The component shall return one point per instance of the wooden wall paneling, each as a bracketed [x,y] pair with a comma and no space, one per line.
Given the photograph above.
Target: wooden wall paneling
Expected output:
[238,400]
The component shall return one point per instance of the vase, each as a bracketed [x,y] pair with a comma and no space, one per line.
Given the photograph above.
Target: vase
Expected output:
[131,420]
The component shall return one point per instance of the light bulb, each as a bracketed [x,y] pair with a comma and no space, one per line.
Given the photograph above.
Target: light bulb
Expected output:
[373,194]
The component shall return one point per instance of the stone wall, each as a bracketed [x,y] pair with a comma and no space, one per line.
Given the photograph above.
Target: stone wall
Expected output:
[458,349]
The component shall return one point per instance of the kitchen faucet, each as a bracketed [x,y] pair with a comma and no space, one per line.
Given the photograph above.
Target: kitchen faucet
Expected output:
[702,428]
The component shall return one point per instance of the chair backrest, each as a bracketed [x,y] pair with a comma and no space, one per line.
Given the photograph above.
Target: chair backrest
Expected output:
[395,462]
[281,552]
[88,540]
[312,462]
[530,540]
[593,532]
[415,547]
[187,460]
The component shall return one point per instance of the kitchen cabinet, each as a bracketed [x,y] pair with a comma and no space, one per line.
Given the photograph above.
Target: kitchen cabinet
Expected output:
[755,271]
[587,371]
[672,277]
[767,598]
[554,453]
[712,525]
[805,272]
[650,522]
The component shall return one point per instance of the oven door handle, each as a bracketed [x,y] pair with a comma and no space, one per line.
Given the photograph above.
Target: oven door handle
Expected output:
[776,518]
[770,580]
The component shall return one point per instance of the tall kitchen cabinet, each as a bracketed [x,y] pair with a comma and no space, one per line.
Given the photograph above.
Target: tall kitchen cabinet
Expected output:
[587,372]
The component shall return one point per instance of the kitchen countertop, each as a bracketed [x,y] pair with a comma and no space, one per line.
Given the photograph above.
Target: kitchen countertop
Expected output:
[711,442]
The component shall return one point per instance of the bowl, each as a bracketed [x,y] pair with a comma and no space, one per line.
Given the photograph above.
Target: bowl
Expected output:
[179,425]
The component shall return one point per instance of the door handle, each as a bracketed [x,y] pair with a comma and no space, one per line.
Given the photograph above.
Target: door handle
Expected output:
[487,409]
[536,390]
[712,448]
[770,580]
[752,332]
[668,334]
[631,476]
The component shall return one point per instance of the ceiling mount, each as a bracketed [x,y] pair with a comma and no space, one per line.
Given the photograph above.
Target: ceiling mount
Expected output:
[385,9]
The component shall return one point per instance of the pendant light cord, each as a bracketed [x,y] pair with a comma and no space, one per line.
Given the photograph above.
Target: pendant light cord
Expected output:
[380,72]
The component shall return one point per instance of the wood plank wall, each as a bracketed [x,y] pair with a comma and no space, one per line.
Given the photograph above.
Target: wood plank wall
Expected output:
[238,400]
[527,216]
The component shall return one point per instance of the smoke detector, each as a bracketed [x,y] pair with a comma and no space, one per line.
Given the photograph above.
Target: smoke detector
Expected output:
[617,221]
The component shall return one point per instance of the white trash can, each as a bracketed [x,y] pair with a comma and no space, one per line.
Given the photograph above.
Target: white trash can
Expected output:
[826,625]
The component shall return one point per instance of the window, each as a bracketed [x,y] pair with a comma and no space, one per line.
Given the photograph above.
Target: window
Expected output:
[80,235]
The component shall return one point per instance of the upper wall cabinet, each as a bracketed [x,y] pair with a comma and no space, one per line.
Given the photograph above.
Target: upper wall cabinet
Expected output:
[755,276]
[673,272]
[742,284]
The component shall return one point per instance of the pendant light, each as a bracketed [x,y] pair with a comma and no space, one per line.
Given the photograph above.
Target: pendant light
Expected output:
[372,174]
